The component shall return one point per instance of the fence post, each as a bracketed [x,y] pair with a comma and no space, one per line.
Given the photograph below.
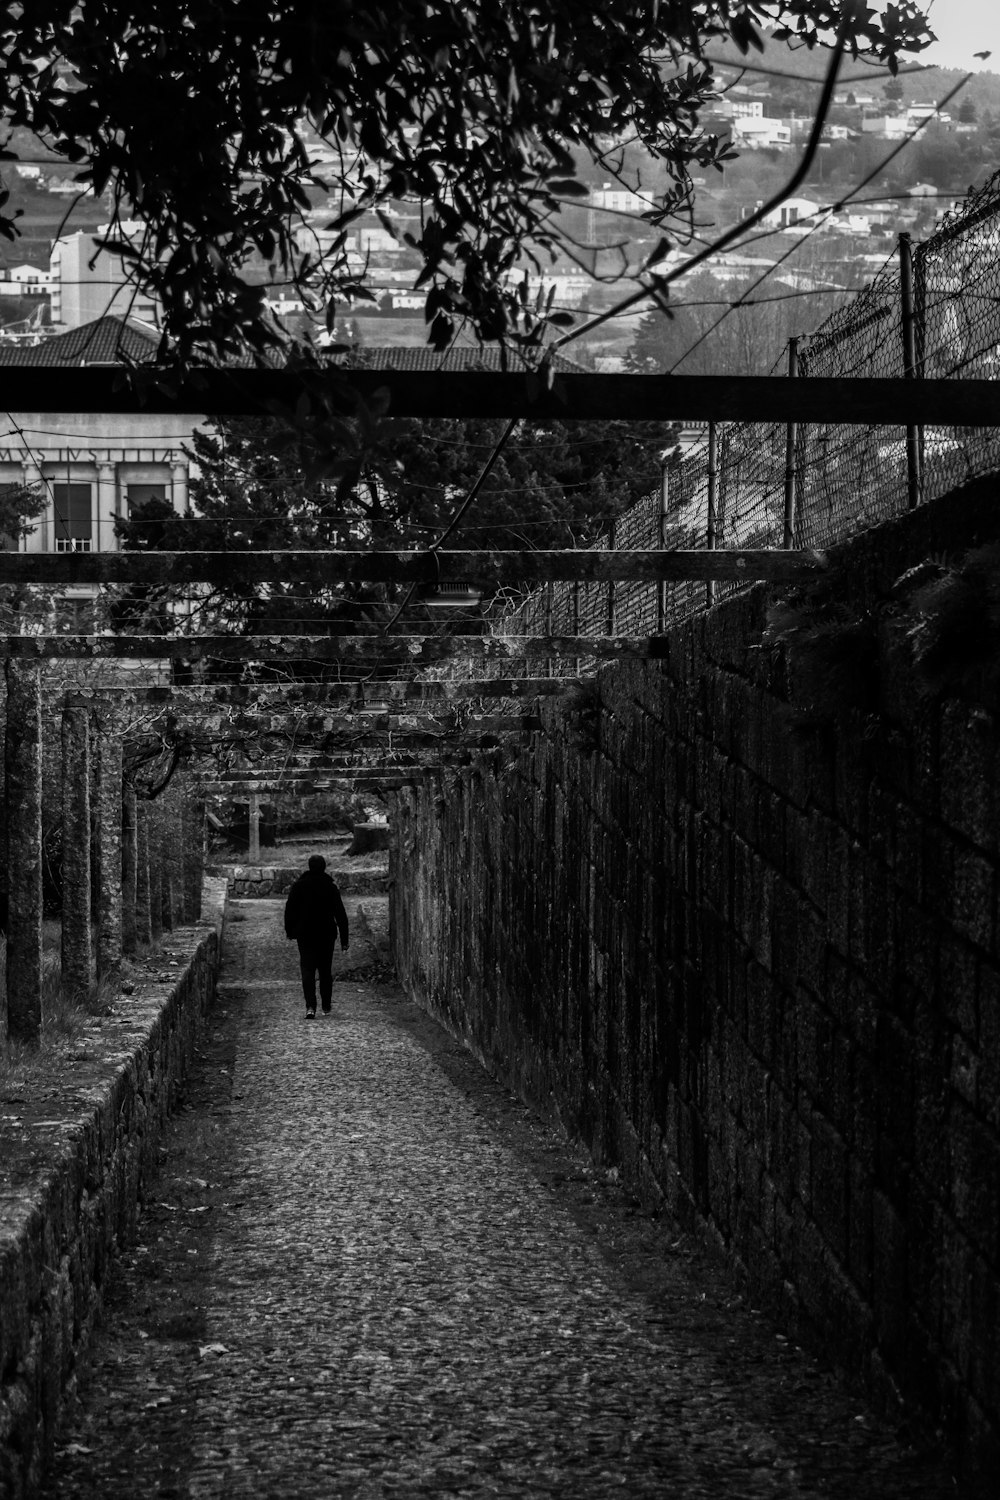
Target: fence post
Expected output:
[791,443]
[914,477]
[23,756]
[661,592]
[77,944]
[713,495]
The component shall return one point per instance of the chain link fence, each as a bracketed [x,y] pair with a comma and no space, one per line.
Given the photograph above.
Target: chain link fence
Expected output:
[931,311]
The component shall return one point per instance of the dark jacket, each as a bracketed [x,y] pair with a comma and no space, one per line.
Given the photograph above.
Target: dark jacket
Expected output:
[314,912]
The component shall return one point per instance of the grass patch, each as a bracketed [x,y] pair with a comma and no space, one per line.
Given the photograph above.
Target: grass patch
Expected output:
[65,1018]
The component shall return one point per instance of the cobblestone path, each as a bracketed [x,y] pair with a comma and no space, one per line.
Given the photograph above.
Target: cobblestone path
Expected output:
[368,1271]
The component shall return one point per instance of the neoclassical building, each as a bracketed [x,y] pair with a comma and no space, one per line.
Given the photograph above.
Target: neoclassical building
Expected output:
[93,468]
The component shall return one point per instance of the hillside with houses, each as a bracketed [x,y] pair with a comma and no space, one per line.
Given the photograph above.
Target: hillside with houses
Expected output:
[892,159]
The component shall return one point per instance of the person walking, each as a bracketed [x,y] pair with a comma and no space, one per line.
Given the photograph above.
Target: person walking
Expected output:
[314,914]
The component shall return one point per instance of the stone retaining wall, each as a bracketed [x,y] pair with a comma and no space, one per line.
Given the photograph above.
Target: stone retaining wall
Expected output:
[759,969]
[62,1222]
[248,881]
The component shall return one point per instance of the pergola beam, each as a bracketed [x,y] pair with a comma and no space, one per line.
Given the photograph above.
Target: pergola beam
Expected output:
[377,780]
[341,743]
[334,766]
[370,696]
[574,397]
[363,650]
[486,570]
[311,731]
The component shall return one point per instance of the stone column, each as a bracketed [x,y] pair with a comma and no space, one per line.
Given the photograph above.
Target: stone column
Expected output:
[77,943]
[253,848]
[194,855]
[23,756]
[107,509]
[109,846]
[143,927]
[130,869]
[179,487]
[174,855]
[155,867]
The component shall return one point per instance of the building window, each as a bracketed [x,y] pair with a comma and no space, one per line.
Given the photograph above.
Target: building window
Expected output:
[73,525]
[138,497]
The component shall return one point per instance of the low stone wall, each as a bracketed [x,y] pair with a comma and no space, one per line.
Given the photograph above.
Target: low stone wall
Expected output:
[64,1213]
[249,881]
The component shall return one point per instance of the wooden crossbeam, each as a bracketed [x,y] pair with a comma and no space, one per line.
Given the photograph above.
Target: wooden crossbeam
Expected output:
[585,396]
[368,650]
[310,730]
[332,743]
[487,570]
[336,765]
[334,782]
[369,695]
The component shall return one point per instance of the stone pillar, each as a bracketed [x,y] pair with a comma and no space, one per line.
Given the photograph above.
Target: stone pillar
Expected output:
[109,846]
[143,927]
[77,943]
[107,509]
[130,869]
[164,857]
[253,853]
[194,855]
[174,855]
[23,756]
[179,487]
[155,868]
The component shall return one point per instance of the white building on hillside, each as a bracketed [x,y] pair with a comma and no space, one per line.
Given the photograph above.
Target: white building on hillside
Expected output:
[88,283]
[793,211]
[26,281]
[761,132]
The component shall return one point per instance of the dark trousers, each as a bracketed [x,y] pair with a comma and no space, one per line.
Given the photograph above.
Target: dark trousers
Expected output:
[316,955]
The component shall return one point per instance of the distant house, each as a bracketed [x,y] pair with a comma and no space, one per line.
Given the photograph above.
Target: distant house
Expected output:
[893,127]
[922,114]
[26,281]
[762,132]
[791,212]
[618,200]
[739,109]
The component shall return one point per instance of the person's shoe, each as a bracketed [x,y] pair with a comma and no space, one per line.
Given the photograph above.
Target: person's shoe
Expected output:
[311,1014]
[327,1007]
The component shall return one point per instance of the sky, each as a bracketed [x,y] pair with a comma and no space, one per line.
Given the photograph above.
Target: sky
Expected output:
[964,27]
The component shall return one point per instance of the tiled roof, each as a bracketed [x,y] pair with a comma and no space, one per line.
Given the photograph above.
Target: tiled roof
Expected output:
[421,357]
[107,341]
[111,340]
